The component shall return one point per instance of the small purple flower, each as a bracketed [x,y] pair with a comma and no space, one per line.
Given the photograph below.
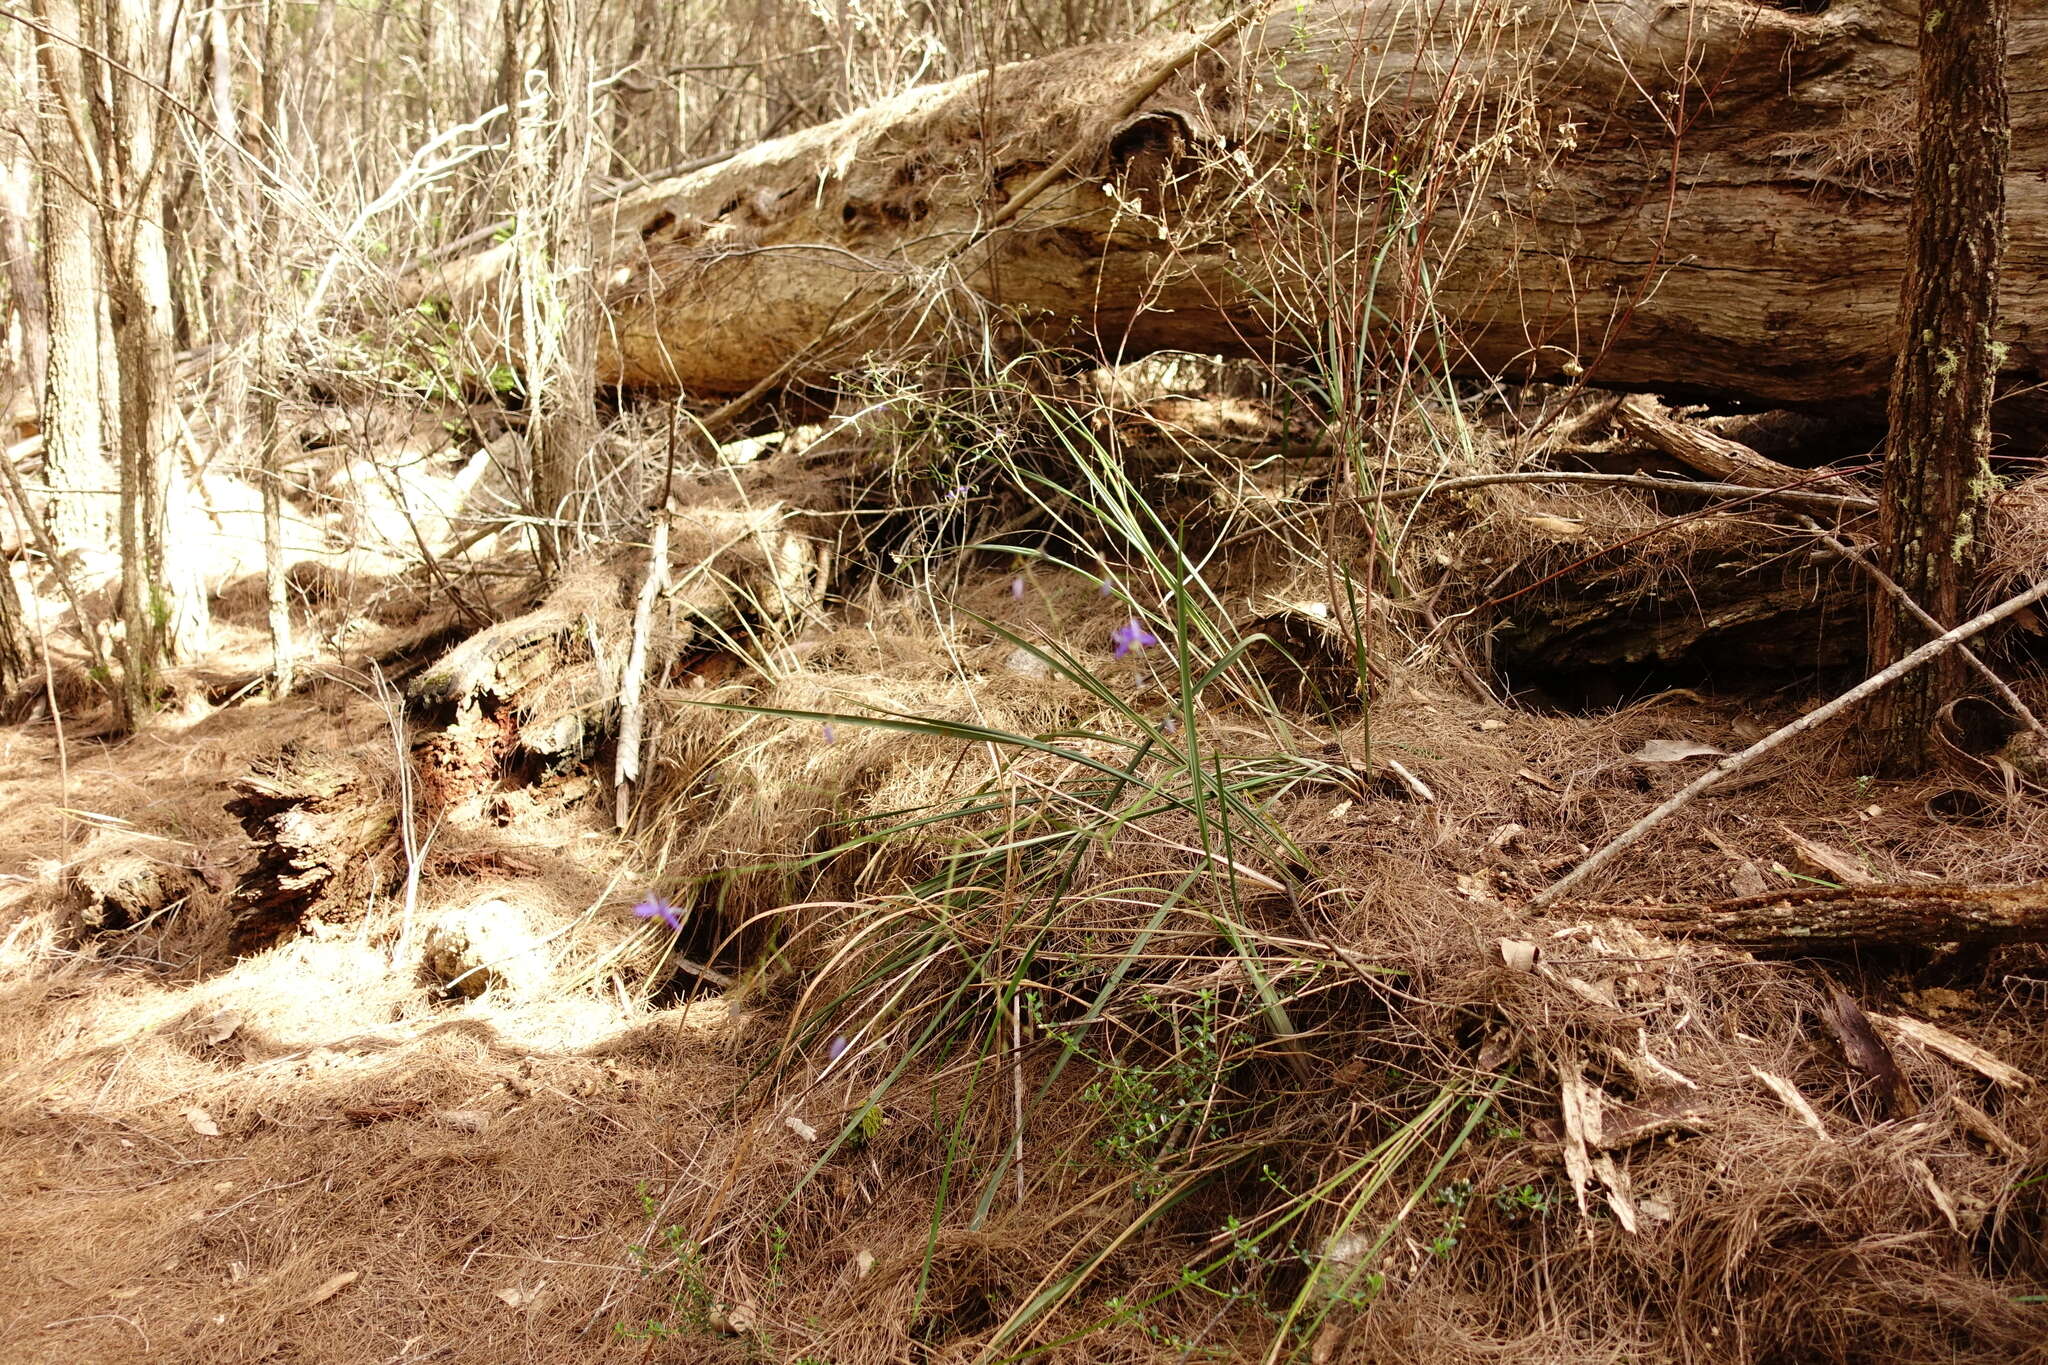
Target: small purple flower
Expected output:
[1170,726]
[1017,587]
[837,1049]
[1105,588]
[831,735]
[654,907]
[1132,635]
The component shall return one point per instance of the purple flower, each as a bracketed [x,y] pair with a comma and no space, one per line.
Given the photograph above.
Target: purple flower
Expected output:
[1130,636]
[654,907]
[837,1049]
[831,735]
[1017,587]
[1105,588]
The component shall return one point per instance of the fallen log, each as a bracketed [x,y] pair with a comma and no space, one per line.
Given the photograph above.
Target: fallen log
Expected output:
[1825,920]
[1710,192]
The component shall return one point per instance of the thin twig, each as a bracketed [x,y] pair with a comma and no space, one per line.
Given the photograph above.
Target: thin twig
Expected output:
[1870,686]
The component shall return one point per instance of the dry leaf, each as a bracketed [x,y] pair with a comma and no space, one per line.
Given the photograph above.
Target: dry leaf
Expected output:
[1748,880]
[331,1288]
[201,1121]
[1675,751]
[221,1026]
[863,1262]
[1819,859]
[1519,954]
[512,1296]
[1581,1105]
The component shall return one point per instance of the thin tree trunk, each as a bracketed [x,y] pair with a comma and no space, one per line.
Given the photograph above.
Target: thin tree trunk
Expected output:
[549,163]
[24,283]
[276,592]
[1938,460]
[164,605]
[75,464]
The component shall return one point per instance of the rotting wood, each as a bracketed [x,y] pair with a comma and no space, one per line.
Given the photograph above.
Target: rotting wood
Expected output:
[1717,457]
[1958,1050]
[323,824]
[1825,920]
[1759,255]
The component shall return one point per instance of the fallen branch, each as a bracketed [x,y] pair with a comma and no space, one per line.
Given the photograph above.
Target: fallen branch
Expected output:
[1734,763]
[1832,919]
[1794,496]
[1890,586]
[1715,456]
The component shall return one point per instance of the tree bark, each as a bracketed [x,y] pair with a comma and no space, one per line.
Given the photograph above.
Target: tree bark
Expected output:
[24,283]
[1938,458]
[75,464]
[164,599]
[1828,921]
[547,45]
[1640,191]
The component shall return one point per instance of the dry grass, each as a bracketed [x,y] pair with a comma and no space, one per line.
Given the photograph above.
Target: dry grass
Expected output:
[1015,1061]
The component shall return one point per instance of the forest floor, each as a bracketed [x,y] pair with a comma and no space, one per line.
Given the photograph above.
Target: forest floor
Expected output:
[301,1146]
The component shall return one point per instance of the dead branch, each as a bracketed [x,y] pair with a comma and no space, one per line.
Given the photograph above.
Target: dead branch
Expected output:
[1823,920]
[1734,763]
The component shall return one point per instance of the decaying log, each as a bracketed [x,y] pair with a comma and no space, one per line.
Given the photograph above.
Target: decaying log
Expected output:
[1827,921]
[1745,610]
[324,828]
[1710,192]
[1717,457]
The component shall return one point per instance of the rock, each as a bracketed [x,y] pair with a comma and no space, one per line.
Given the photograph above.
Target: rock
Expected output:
[487,946]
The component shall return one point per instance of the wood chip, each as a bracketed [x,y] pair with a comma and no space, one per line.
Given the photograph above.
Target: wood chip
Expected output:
[1580,1103]
[1941,1041]
[1865,1052]
[1935,1192]
[1830,863]
[329,1289]
[1976,1121]
[1415,785]
[1793,1100]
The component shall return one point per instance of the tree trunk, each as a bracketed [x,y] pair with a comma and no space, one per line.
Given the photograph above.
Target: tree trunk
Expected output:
[1938,459]
[164,599]
[75,464]
[24,284]
[1707,191]
[549,162]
